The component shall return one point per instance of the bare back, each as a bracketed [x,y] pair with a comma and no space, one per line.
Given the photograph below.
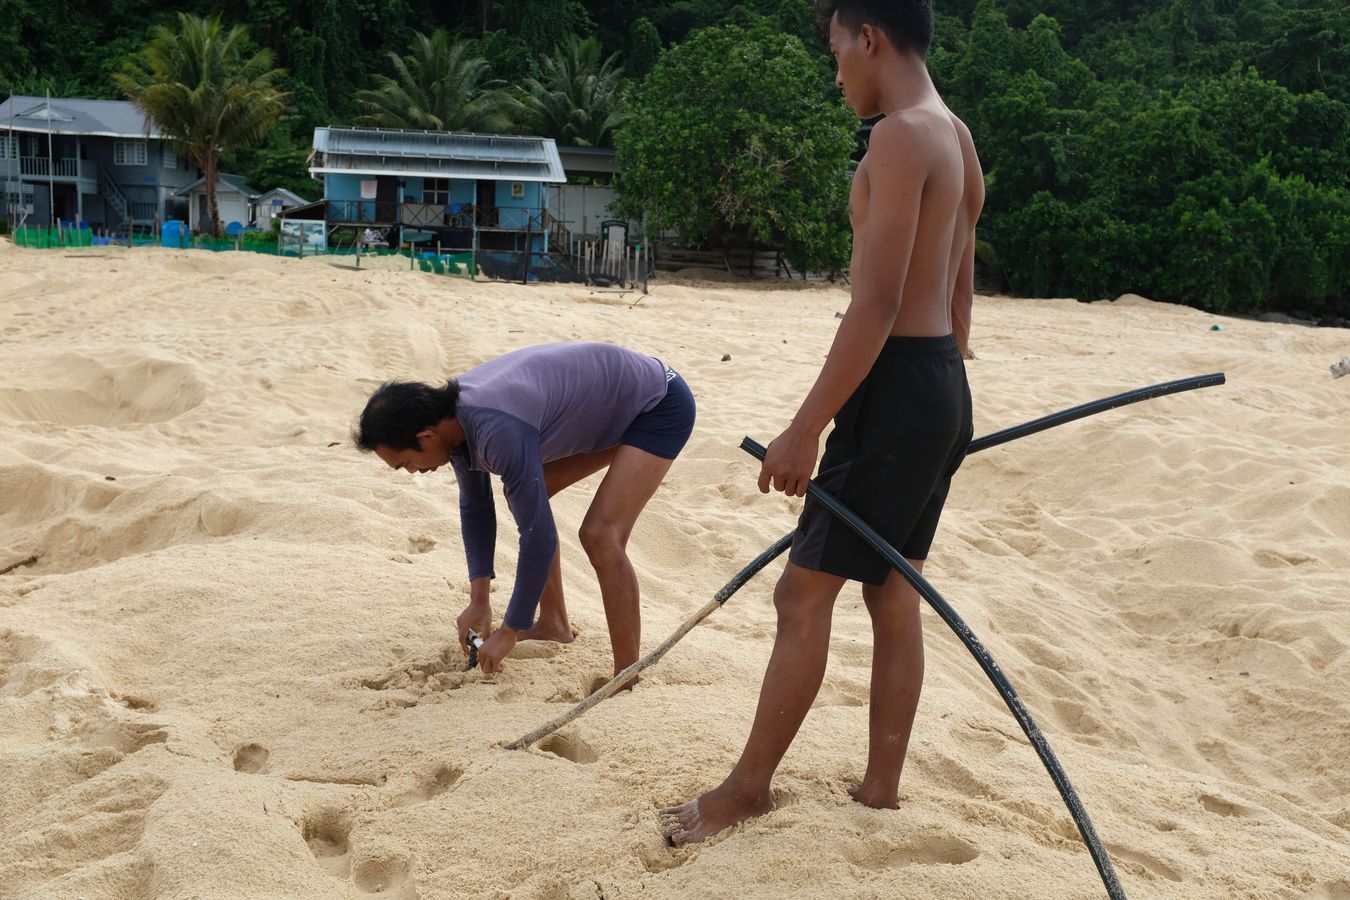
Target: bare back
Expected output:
[939,280]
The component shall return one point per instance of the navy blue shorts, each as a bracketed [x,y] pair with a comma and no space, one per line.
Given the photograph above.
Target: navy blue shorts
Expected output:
[664,429]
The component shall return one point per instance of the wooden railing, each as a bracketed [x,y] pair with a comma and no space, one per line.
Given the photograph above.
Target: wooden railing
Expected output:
[437,215]
[56,168]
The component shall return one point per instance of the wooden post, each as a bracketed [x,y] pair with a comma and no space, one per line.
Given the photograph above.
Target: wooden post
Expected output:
[359,242]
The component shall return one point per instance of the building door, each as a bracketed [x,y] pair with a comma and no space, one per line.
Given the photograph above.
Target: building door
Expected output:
[386,199]
[64,202]
[487,204]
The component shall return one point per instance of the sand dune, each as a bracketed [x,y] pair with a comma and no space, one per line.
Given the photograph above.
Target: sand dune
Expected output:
[231,672]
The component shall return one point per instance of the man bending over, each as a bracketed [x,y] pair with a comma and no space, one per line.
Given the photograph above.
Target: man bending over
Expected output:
[542,419]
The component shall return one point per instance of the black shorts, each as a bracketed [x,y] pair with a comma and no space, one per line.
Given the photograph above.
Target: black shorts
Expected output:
[895,445]
[664,429]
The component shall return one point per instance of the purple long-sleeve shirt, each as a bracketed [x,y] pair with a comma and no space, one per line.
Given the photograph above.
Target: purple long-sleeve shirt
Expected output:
[528,408]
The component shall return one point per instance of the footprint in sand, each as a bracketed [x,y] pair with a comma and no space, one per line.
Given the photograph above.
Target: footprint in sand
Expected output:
[387,877]
[917,850]
[420,543]
[1222,807]
[1077,718]
[569,745]
[251,759]
[1274,559]
[326,836]
[138,704]
[1142,863]
[593,683]
[844,693]
[122,737]
[989,740]
[429,786]
[538,649]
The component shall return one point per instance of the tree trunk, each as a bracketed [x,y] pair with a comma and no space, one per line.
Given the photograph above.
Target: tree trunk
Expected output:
[212,163]
[484,7]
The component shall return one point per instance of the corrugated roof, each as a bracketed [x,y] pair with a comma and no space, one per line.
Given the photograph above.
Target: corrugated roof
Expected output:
[95,118]
[238,182]
[289,195]
[435,154]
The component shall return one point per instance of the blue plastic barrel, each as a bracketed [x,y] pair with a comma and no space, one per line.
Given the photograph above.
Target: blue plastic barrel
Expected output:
[171,235]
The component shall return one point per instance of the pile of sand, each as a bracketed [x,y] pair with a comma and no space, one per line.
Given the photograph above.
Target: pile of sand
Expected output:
[232,671]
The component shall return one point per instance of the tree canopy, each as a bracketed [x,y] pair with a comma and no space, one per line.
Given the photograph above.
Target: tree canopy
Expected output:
[202,88]
[1193,150]
[733,138]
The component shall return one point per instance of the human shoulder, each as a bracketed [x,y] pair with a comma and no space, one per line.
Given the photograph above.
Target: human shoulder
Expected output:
[904,136]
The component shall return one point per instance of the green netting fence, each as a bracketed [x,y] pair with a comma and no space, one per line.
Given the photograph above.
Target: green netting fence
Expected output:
[505,265]
[53,238]
[35,238]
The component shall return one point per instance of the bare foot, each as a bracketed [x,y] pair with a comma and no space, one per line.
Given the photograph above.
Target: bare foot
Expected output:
[632,683]
[715,811]
[559,632]
[869,795]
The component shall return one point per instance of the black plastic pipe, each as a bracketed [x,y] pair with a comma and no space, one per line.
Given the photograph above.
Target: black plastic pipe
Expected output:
[977,649]
[926,590]
[993,440]
[1091,409]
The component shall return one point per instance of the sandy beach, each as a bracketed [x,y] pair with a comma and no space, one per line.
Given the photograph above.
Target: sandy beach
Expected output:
[232,671]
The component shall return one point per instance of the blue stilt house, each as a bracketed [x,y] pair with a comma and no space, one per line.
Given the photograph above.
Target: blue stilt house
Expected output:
[482,191]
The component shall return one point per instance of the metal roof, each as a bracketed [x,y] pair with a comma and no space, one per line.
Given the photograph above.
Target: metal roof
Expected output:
[238,183]
[589,160]
[435,154]
[283,192]
[60,115]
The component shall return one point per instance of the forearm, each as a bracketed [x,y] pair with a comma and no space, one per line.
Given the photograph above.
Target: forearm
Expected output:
[480,592]
[961,309]
[532,571]
[856,346]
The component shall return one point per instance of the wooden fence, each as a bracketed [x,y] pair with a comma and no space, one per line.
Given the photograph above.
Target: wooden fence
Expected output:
[744,262]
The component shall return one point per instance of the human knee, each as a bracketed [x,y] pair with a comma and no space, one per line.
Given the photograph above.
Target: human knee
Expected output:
[798,603]
[600,539]
[897,606]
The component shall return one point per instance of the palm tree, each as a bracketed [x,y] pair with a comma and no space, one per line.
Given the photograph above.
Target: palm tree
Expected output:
[198,88]
[440,86]
[576,98]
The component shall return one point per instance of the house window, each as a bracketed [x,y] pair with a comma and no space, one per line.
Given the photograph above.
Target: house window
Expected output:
[18,194]
[436,191]
[129,153]
[170,157]
[9,147]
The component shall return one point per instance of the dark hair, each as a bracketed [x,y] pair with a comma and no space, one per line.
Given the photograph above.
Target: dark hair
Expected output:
[398,410]
[908,23]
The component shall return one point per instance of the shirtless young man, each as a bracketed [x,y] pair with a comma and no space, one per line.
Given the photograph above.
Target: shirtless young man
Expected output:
[541,419]
[895,384]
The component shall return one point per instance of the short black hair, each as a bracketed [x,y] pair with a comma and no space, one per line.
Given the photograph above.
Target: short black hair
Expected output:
[398,410]
[908,23]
